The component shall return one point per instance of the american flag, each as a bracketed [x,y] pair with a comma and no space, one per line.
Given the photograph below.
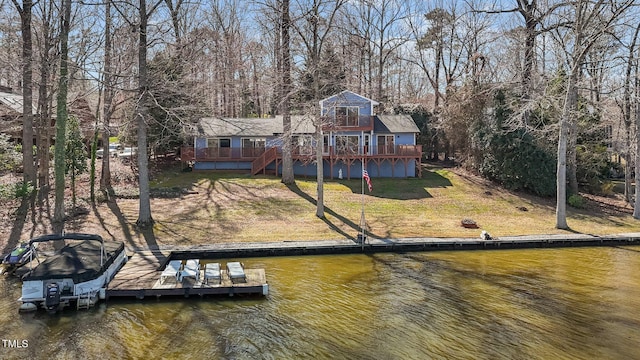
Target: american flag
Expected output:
[365,175]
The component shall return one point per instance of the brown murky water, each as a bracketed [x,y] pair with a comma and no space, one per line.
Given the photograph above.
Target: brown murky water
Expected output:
[580,303]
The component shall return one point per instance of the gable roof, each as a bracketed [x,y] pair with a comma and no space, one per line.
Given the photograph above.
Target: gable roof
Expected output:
[395,124]
[345,95]
[259,127]
[12,102]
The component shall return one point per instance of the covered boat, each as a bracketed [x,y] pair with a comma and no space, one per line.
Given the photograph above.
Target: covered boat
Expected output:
[79,272]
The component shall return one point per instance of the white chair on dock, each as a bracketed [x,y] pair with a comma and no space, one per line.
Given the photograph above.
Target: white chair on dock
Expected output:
[235,270]
[172,270]
[212,272]
[191,269]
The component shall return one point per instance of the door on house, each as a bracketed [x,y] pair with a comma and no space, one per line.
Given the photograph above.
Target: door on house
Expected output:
[347,144]
[325,145]
[386,144]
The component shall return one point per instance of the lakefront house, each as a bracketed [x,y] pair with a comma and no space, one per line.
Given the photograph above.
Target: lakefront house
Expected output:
[352,135]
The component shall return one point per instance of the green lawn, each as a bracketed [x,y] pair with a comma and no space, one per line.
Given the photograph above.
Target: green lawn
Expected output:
[239,207]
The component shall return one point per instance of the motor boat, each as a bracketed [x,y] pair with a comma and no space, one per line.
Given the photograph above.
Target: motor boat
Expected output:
[79,272]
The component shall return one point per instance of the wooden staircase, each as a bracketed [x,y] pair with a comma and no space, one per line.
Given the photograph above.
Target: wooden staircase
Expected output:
[260,164]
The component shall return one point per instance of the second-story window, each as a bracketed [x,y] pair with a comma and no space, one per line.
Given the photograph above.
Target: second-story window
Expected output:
[347,115]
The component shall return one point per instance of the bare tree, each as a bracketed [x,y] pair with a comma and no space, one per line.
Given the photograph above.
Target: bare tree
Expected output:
[590,20]
[61,115]
[10,49]
[25,12]
[314,28]
[627,110]
[47,44]
[285,93]
[142,114]
[108,106]
[636,207]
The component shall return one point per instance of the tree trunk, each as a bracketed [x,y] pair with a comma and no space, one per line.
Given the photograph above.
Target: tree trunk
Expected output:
[628,165]
[572,161]
[105,177]
[29,175]
[636,207]
[319,167]
[570,104]
[61,115]
[626,115]
[287,161]
[44,111]
[142,106]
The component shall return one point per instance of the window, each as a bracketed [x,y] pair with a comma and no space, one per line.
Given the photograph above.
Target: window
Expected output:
[253,147]
[219,143]
[219,147]
[347,115]
[386,144]
[347,145]
[303,145]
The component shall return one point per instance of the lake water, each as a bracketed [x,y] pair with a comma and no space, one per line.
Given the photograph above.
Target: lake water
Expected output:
[580,303]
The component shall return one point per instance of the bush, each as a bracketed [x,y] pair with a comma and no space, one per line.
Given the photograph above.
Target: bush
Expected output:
[576,201]
[10,155]
[594,167]
[15,191]
[513,157]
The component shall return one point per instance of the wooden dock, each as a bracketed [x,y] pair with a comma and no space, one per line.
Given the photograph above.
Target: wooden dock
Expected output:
[378,245]
[141,277]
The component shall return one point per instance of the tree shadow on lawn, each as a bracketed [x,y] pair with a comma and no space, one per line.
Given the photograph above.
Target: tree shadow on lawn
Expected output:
[18,225]
[612,213]
[399,188]
[295,189]
[124,225]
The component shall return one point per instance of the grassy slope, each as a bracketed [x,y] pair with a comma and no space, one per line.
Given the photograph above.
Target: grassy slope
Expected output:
[228,207]
[232,207]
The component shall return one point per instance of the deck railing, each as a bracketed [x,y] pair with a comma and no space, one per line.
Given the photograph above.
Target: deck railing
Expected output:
[377,151]
[220,154]
[252,154]
[348,123]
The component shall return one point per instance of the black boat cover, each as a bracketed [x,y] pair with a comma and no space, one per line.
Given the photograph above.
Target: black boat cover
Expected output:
[79,261]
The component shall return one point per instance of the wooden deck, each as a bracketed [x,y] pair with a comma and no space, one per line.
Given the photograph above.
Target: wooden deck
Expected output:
[140,277]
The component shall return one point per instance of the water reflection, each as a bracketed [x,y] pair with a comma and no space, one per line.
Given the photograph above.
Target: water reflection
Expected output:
[531,304]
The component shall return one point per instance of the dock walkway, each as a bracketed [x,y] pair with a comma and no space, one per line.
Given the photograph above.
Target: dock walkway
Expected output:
[374,245]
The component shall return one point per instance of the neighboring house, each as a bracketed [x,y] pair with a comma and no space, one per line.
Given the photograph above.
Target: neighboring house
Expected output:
[352,135]
[11,117]
[11,114]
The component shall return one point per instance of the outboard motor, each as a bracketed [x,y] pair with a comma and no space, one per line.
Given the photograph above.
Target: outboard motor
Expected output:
[52,300]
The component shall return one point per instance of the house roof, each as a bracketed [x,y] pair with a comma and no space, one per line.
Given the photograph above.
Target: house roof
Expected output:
[13,102]
[11,114]
[395,124]
[261,127]
[347,93]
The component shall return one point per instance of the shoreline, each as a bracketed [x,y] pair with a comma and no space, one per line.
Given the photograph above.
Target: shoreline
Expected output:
[375,245]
